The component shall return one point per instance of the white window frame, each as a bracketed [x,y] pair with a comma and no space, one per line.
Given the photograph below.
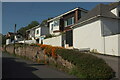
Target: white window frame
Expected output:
[66,23]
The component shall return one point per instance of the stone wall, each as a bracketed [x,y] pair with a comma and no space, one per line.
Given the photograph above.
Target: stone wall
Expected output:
[36,53]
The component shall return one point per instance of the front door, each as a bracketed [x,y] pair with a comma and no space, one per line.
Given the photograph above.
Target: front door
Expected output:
[69,37]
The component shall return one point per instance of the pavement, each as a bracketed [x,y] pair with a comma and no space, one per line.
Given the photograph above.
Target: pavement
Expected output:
[14,67]
[112,61]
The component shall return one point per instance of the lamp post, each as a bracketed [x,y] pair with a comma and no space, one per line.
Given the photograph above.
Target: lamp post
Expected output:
[14,37]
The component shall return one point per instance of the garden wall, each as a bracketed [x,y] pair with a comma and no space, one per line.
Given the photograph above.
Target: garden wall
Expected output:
[36,53]
[82,65]
[27,41]
[54,41]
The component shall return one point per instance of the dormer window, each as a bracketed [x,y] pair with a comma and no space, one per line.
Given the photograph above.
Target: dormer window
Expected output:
[69,21]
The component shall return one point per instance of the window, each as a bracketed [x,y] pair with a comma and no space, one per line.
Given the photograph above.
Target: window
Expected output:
[56,23]
[37,31]
[69,21]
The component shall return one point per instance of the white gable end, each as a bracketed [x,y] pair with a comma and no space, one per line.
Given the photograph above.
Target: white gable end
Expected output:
[115,11]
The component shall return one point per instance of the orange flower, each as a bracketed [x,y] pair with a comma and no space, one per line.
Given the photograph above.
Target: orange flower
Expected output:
[43,46]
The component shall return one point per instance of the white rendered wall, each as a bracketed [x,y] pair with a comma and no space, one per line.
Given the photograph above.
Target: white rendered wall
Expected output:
[54,27]
[50,27]
[119,44]
[8,41]
[111,41]
[54,41]
[114,11]
[88,36]
[111,45]
[27,41]
[38,35]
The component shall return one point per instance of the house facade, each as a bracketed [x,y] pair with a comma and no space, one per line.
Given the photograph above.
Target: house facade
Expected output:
[31,33]
[99,30]
[41,32]
[10,37]
[63,23]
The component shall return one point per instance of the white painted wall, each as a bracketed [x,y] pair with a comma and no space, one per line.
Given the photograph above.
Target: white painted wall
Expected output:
[18,38]
[114,11]
[37,35]
[119,44]
[8,41]
[89,36]
[42,31]
[54,28]
[54,41]
[50,27]
[111,45]
[27,41]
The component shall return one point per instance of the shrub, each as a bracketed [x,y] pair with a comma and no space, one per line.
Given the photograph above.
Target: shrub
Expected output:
[87,65]
[35,45]
[51,51]
[48,50]
[54,49]
[49,36]
[43,46]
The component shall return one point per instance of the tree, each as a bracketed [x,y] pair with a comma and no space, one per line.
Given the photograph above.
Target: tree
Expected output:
[22,30]
[43,23]
[2,39]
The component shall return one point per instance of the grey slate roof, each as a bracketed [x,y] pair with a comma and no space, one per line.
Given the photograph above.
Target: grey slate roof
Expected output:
[102,10]
[113,5]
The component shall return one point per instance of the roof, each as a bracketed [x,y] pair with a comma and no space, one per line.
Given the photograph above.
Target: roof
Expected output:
[100,10]
[113,5]
[67,13]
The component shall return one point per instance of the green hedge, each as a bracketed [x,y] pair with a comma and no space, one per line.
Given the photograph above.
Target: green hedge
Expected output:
[87,65]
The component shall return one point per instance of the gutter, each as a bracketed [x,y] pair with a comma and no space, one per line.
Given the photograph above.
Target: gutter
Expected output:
[85,21]
[91,19]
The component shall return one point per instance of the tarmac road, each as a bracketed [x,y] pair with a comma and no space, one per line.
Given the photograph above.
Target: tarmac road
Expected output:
[14,67]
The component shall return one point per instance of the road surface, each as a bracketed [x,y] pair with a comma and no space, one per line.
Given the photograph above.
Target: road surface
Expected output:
[113,62]
[14,67]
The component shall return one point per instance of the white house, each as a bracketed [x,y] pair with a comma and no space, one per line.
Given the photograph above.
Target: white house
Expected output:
[31,33]
[63,23]
[41,32]
[99,30]
[11,37]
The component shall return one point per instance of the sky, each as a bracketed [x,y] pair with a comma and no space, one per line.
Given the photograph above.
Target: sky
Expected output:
[22,13]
